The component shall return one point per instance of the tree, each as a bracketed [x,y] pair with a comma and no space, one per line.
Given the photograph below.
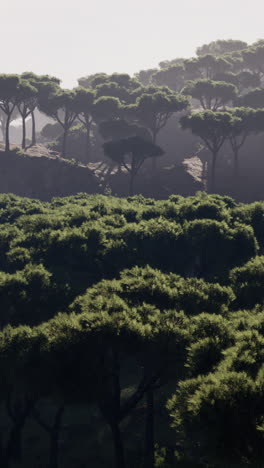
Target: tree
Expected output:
[118,85]
[3,119]
[26,103]
[211,94]
[254,99]
[257,43]
[218,412]
[213,128]
[154,110]
[51,376]
[168,63]
[51,131]
[91,81]
[136,149]
[18,399]
[44,84]
[63,108]
[243,80]
[33,375]
[116,129]
[8,100]
[211,336]
[236,62]
[84,105]
[106,107]
[145,76]
[247,283]
[202,259]
[253,58]
[173,77]
[53,430]
[143,305]
[247,79]
[221,47]
[122,80]
[229,395]
[114,90]
[131,338]
[221,415]
[246,121]
[227,77]
[205,67]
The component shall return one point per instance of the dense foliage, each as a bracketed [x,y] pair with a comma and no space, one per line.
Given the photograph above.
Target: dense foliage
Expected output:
[121,312]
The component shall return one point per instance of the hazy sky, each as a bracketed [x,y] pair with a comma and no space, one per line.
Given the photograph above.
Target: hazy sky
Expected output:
[74,38]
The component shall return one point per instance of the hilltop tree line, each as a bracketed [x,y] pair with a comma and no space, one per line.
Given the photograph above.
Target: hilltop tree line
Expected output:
[219,96]
[143,318]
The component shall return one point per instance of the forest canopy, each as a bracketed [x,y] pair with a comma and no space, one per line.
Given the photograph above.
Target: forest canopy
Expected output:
[132,313]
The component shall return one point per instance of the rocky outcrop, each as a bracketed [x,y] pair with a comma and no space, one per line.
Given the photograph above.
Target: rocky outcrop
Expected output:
[42,176]
[182,179]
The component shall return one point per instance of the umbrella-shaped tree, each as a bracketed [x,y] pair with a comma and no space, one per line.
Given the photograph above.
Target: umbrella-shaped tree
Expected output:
[211,94]
[8,100]
[62,106]
[26,103]
[213,128]
[131,153]
[84,105]
[246,122]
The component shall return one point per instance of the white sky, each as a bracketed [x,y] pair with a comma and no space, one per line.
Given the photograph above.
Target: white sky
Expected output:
[74,38]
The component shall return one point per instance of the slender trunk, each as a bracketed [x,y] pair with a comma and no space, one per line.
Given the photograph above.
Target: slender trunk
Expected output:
[118,445]
[205,174]
[14,443]
[14,446]
[64,143]
[33,121]
[149,434]
[236,164]
[154,160]
[87,144]
[7,143]
[131,185]
[4,460]
[23,132]
[213,171]
[3,130]
[54,439]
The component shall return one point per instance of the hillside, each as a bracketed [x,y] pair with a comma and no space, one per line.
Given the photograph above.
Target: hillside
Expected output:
[39,174]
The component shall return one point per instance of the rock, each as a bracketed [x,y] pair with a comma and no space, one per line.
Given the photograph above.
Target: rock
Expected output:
[42,176]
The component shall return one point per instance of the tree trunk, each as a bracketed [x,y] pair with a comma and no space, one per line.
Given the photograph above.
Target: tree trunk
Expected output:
[154,160]
[54,439]
[23,132]
[149,434]
[236,164]
[14,446]
[118,445]
[33,121]
[7,143]
[213,172]
[64,143]
[87,144]
[131,185]
[4,461]
[3,129]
